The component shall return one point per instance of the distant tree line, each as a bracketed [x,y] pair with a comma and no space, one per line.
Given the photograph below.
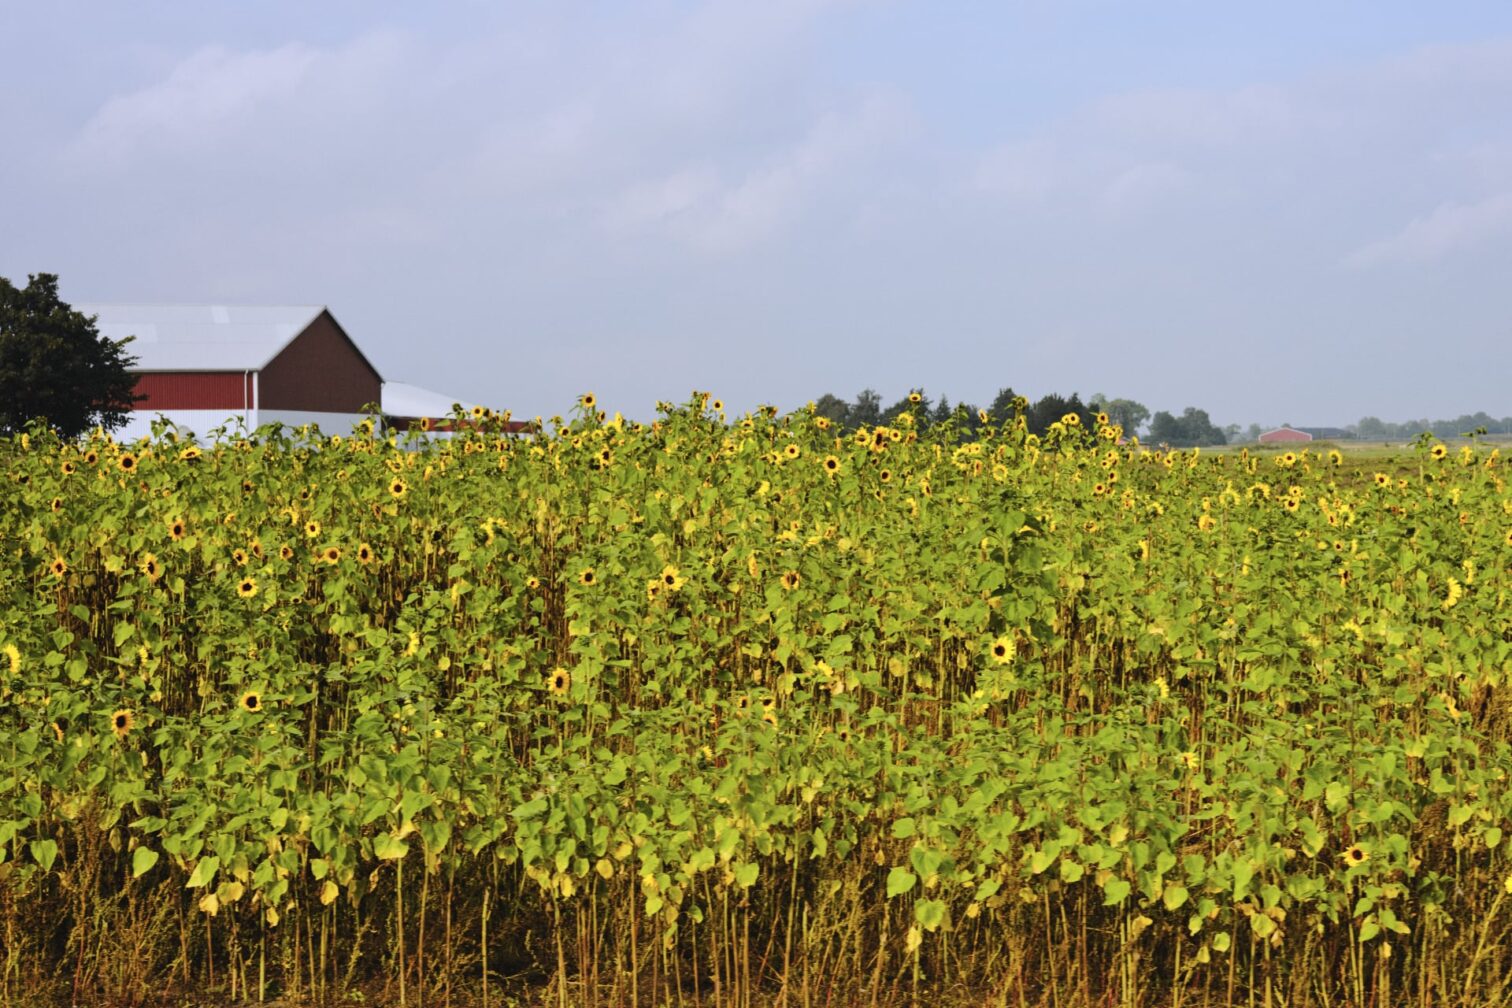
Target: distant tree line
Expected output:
[1375,429]
[1192,427]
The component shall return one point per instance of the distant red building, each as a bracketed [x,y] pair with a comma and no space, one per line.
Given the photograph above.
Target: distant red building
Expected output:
[1284,435]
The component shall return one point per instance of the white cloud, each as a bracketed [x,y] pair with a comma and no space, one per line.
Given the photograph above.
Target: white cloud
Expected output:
[216,94]
[1024,170]
[1450,228]
[1145,185]
[719,214]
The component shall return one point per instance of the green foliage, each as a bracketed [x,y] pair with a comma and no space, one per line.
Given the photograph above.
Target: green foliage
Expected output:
[684,696]
[55,366]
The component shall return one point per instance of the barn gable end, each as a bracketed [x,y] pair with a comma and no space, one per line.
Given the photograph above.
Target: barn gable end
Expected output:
[320,370]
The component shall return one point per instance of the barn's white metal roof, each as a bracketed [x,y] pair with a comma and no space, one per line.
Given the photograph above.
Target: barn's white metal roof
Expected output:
[202,337]
[401,399]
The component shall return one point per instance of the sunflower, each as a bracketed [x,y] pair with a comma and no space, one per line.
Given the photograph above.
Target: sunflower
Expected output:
[1356,855]
[717,405]
[532,583]
[653,589]
[792,451]
[68,468]
[397,488]
[251,701]
[1206,522]
[127,462]
[149,567]
[1382,479]
[364,553]
[1071,420]
[189,454]
[588,400]
[915,397]
[256,548]
[1291,503]
[121,722]
[885,475]
[312,529]
[331,554]
[246,588]
[426,423]
[286,552]
[1102,419]
[586,576]
[1437,452]
[59,567]
[239,557]
[1003,649]
[559,681]
[1508,539]
[1098,489]
[831,464]
[1335,457]
[822,423]
[790,580]
[671,578]
[91,456]
[177,529]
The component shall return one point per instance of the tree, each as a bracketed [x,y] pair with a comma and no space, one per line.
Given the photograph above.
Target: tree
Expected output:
[1193,427]
[55,366]
[866,411]
[1126,413]
[833,408]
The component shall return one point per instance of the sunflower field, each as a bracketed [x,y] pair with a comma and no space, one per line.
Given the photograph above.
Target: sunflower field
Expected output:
[751,711]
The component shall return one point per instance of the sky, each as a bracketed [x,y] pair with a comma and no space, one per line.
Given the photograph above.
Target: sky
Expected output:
[1285,212]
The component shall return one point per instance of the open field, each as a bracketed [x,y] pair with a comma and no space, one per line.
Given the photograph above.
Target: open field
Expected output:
[749,713]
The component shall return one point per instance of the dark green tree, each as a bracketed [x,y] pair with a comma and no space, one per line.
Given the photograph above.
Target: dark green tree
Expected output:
[866,411]
[1126,413]
[834,408]
[55,366]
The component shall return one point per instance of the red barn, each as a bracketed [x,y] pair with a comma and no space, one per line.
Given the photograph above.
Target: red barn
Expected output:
[1284,435]
[204,366]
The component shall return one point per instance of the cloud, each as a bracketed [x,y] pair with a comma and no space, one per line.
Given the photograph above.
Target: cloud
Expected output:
[722,212]
[1024,170]
[1450,228]
[216,95]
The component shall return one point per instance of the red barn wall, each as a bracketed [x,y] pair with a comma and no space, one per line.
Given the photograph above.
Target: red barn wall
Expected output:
[194,390]
[320,371]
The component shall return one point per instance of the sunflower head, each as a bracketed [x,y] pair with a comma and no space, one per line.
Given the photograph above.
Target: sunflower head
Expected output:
[251,702]
[246,588]
[286,552]
[331,554]
[915,398]
[150,567]
[177,529]
[587,577]
[1003,650]
[127,462]
[1438,451]
[790,580]
[121,722]
[239,557]
[59,567]
[312,529]
[1356,855]
[364,553]
[397,488]
[558,681]
[831,464]
[532,583]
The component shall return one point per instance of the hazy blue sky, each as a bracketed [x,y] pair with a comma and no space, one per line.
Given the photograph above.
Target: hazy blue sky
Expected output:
[1287,211]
